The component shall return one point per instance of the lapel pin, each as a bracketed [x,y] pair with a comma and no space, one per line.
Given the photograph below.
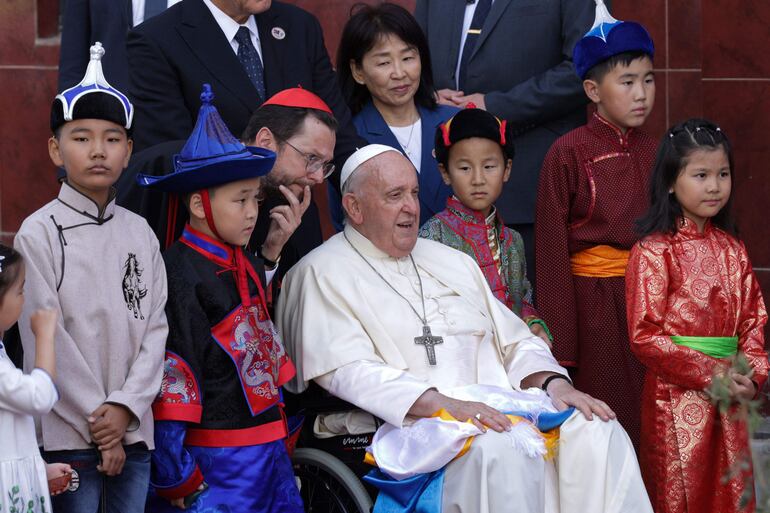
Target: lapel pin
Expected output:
[278,33]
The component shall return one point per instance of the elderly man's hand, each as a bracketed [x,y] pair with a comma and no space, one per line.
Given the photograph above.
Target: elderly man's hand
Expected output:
[284,220]
[564,395]
[481,415]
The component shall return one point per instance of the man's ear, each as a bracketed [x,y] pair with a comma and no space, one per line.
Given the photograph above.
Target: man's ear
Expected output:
[54,151]
[265,139]
[352,206]
[591,88]
[196,206]
[444,174]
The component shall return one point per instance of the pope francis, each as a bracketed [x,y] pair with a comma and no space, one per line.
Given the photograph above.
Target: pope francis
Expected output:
[407,329]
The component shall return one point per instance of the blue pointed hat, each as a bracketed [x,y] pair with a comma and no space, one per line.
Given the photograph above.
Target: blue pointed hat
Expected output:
[212,156]
[92,98]
[609,37]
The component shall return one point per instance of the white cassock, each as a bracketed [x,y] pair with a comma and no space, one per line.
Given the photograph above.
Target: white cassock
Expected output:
[346,329]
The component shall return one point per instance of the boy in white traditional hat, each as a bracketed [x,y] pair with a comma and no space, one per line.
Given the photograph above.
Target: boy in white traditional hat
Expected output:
[100,267]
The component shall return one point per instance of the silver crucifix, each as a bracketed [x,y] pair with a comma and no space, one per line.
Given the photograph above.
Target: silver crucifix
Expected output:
[428,340]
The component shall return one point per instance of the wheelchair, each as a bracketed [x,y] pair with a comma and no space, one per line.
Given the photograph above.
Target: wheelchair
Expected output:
[329,470]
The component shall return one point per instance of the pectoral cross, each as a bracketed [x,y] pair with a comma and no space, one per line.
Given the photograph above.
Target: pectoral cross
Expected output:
[428,340]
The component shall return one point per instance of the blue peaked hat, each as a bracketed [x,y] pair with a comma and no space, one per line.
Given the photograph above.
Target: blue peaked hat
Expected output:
[212,156]
[92,98]
[609,37]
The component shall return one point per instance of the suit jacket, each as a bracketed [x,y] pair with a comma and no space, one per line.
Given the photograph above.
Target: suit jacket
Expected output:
[172,54]
[522,62]
[83,23]
[433,191]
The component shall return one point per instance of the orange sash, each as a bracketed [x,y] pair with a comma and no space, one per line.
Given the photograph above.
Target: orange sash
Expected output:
[600,262]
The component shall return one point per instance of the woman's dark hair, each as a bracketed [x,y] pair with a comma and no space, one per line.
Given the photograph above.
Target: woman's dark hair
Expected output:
[472,122]
[366,26]
[675,148]
[10,265]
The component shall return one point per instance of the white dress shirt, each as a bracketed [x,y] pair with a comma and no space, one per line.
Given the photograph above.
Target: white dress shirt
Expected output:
[470,10]
[137,7]
[230,27]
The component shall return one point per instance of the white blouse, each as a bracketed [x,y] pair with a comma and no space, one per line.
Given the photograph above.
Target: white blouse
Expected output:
[22,396]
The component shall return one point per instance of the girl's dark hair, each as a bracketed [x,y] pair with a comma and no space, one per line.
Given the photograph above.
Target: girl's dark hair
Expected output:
[468,123]
[366,26]
[675,148]
[10,262]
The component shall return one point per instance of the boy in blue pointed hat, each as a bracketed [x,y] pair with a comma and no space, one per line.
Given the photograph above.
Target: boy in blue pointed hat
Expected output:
[100,267]
[592,189]
[220,412]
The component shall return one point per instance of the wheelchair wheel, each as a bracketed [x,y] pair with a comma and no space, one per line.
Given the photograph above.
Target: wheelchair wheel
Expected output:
[327,485]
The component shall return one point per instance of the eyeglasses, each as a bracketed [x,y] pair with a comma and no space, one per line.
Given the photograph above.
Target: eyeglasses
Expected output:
[313,163]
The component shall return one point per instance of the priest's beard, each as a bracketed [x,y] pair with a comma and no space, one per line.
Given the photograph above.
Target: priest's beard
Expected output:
[273,194]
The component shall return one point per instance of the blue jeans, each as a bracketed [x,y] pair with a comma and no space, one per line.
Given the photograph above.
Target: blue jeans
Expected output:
[98,493]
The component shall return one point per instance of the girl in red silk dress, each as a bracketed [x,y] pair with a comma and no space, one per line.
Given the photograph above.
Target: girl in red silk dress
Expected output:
[688,282]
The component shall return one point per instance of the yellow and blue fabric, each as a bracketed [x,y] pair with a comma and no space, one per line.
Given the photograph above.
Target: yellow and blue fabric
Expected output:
[609,37]
[212,156]
[422,493]
[92,98]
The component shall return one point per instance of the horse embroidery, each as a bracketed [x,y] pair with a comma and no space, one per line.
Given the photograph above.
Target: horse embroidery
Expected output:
[133,291]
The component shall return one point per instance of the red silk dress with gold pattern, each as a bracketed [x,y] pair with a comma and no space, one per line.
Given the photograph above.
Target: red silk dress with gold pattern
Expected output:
[691,284]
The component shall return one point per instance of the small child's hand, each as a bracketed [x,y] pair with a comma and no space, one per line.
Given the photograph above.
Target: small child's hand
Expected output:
[58,475]
[741,387]
[538,330]
[180,502]
[108,425]
[43,324]
[112,461]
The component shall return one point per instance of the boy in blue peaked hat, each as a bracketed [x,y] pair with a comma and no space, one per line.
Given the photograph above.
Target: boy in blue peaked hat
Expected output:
[593,186]
[219,415]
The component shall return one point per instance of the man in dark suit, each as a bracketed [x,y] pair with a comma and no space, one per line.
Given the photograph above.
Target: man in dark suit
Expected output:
[172,54]
[83,23]
[517,66]
[108,21]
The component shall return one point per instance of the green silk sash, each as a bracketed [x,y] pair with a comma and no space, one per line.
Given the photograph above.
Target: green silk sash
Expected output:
[716,347]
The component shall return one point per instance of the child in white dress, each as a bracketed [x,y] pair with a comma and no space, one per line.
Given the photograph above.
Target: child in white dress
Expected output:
[23,473]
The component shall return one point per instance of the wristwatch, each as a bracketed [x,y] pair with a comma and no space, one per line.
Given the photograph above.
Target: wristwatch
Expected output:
[270,265]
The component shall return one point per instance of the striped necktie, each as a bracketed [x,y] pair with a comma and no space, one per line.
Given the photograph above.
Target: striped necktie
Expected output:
[474,32]
[250,61]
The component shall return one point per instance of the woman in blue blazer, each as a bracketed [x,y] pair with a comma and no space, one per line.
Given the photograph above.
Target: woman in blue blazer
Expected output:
[385,76]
